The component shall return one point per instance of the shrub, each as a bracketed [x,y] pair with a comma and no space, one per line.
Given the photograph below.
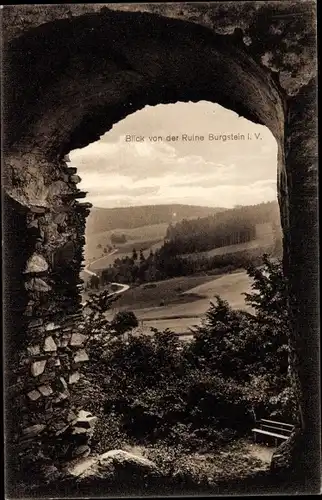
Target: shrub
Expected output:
[124,321]
[207,392]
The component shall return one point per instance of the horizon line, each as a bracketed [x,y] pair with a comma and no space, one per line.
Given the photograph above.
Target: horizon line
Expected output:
[184,205]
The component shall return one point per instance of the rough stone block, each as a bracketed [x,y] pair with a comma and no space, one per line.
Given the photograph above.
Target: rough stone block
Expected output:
[35,322]
[61,431]
[45,390]
[61,217]
[33,350]
[63,383]
[50,345]
[77,468]
[38,209]
[124,457]
[33,430]
[36,264]
[33,224]
[87,423]
[79,430]
[51,326]
[83,414]
[34,395]
[37,285]
[83,450]
[74,378]
[62,396]
[75,179]
[38,367]
[71,170]
[81,356]
[47,377]
[71,416]
[77,339]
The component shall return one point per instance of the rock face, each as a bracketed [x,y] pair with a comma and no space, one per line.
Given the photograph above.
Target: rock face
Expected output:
[106,465]
[258,61]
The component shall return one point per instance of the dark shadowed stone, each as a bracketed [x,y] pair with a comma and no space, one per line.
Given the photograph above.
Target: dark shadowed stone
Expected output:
[75,179]
[60,218]
[83,450]
[33,350]
[38,210]
[45,390]
[65,254]
[63,383]
[33,430]
[33,224]
[37,285]
[34,395]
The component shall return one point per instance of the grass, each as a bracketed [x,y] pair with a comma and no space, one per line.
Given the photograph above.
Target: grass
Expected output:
[136,238]
[254,245]
[226,463]
[167,291]
[145,245]
[125,250]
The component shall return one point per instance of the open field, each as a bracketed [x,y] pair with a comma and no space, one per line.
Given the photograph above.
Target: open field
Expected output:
[240,247]
[125,251]
[144,234]
[191,305]
[166,292]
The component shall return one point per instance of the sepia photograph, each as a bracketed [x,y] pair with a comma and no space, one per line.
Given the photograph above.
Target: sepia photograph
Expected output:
[160,249]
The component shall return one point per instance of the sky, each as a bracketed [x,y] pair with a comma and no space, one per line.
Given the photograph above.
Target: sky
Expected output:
[216,172]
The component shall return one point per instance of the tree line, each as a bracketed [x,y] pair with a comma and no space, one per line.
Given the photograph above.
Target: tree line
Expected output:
[233,226]
[165,264]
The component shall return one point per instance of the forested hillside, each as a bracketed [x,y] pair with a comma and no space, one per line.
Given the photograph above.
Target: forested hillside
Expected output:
[233,226]
[106,219]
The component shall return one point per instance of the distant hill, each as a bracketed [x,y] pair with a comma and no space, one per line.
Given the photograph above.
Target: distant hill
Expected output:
[238,225]
[107,219]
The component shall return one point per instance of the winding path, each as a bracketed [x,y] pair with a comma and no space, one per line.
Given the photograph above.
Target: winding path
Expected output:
[88,271]
[122,287]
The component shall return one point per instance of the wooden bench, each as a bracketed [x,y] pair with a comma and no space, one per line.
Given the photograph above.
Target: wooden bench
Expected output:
[272,430]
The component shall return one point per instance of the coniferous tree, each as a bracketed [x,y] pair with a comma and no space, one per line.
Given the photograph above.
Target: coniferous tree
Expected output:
[134,255]
[142,258]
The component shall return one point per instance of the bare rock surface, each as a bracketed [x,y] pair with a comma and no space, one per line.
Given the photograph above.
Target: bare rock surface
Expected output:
[107,464]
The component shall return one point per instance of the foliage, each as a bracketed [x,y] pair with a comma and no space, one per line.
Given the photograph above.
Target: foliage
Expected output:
[205,392]
[164,263]
[124,321]
[233,226]
[118,238]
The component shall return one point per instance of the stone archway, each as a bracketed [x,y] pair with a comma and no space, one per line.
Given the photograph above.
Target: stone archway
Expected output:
[88,67]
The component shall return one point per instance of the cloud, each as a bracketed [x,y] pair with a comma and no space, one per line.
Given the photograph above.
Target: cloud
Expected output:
[115,171]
